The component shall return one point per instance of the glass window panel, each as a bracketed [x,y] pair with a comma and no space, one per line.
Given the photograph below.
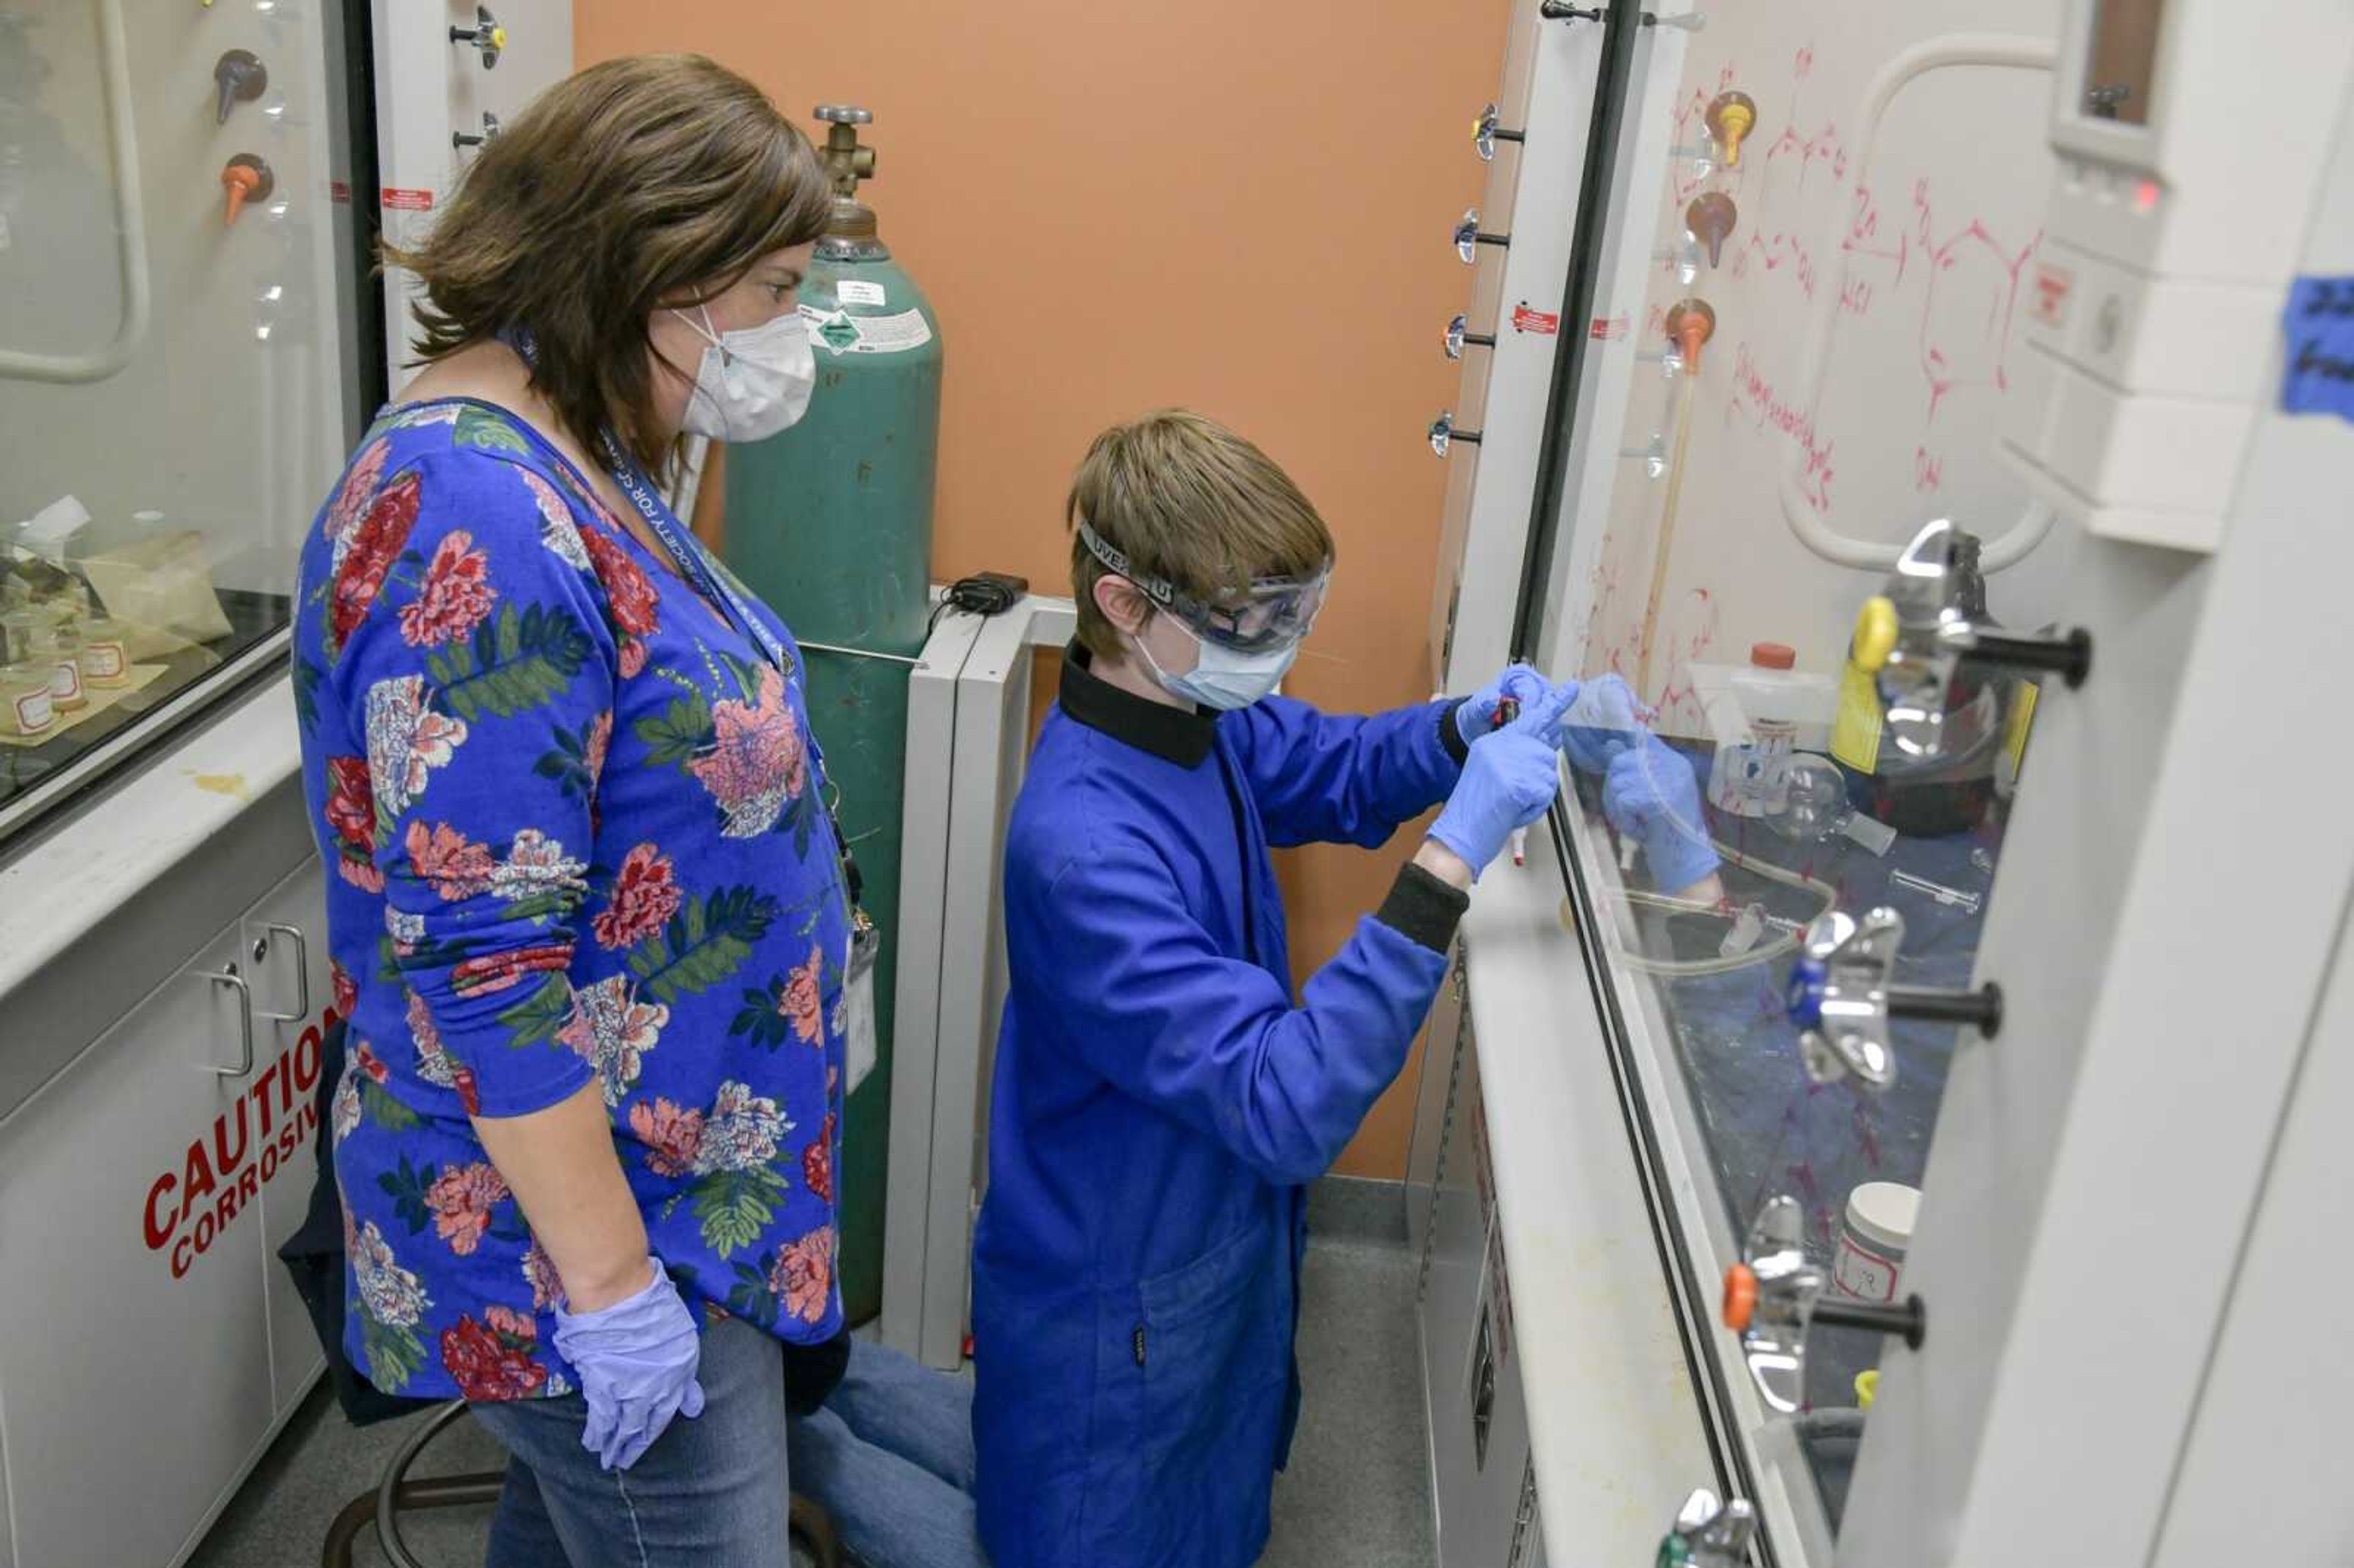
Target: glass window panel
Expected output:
[1805,340]
[176,329]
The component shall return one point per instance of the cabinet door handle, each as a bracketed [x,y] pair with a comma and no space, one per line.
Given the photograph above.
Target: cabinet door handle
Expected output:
[302,974]
[244,1017]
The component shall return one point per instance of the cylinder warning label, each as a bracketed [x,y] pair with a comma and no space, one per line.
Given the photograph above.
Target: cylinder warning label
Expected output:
[840,333]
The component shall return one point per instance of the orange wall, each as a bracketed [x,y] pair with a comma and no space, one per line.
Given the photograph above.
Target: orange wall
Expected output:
[1230,205]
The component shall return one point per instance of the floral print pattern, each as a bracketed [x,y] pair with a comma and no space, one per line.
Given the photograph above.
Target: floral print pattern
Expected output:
[572,815]
[756,764]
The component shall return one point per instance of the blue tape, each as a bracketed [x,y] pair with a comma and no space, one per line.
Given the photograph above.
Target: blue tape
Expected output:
[2320,322]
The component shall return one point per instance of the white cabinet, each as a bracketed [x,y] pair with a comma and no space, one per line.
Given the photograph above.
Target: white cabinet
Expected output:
[150,1341]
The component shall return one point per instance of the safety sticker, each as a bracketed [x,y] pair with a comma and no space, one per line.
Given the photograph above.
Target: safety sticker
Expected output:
[2053,284]
[403,200]
[1545,323]
[878,334]
[2320,325]
[858,292]
[340,191]
[830,329]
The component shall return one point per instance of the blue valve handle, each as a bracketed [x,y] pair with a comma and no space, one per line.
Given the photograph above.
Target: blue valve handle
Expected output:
[1804,996]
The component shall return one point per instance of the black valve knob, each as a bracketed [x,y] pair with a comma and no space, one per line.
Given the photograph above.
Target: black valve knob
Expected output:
[489,38]
[489,133]
[240,76]
[1561,11]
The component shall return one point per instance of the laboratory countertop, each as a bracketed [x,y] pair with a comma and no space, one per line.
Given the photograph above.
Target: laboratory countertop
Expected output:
[1615,1432]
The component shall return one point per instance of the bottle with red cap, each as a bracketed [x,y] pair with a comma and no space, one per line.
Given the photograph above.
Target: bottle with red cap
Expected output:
[1751,775]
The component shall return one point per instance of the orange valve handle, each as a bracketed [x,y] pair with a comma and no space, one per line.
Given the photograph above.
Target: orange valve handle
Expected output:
[1691,324]
[241,181]
[1740,1296]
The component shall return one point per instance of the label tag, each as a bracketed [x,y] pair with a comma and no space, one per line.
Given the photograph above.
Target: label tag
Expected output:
[1855,731]
[1543,322]
[402,200]
[2053,284]
[859,1049]
[858,292]
[892,334]
[2321,326]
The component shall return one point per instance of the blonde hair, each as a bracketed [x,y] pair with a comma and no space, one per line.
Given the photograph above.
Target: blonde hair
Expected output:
[1186,500]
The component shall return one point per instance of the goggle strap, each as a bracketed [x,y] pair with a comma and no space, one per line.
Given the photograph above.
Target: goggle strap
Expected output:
[1158,591]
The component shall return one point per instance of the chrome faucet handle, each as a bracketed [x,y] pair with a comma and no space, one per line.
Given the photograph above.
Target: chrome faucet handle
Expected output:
[1443,433]
[1913,637]
[1466,237]
[1485,134]
[1709,1533]
[1773,1296]
[1837,996]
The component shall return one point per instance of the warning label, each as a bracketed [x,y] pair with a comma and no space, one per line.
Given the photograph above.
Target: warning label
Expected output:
[2053,287]
[1544,323]
[408,200]
[858,292]
[843,334]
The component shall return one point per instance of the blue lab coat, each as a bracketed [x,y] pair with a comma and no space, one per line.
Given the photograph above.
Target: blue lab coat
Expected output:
[1160,1099]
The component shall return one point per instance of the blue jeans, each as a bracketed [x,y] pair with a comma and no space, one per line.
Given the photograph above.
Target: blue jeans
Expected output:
[889,1458]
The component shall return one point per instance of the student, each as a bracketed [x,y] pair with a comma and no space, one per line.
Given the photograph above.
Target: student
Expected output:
[1161,1096]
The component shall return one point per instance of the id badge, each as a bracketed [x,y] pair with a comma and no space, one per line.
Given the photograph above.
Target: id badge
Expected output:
[858,1000]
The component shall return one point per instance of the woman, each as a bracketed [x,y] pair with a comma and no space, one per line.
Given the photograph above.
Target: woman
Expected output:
[588,912]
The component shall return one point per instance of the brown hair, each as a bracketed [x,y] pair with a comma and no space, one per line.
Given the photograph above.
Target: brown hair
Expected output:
[632,184]
[1186,500]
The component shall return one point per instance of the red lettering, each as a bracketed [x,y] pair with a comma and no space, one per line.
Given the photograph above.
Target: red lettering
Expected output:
[181,1254]
[289,1136]
[157,1235]
[196,1181]
[248,1183]
[225,1206]
[225,1161]
[303,1076]
[203,1232]
[270,1158]
[261,1093]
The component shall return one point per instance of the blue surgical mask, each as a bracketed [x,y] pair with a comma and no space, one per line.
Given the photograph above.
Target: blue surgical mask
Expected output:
[1221,678]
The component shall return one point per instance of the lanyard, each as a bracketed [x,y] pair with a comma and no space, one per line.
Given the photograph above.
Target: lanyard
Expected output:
[695,564]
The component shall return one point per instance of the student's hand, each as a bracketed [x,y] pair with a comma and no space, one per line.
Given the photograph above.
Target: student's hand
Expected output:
[1604,724]
[1650,794]
[1510,777]
[1476,715]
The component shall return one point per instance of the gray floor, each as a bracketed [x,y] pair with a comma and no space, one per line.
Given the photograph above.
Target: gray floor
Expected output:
[1357,1493]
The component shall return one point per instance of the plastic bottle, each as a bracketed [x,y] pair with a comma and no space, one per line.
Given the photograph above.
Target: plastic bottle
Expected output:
[1749,778]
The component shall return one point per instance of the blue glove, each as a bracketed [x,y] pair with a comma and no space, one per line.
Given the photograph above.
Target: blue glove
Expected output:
[1650,793]
[636,1361]
[1509,779]
[1604,725]
[1477,715]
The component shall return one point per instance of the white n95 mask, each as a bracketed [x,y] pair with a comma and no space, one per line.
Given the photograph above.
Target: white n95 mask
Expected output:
[754,381]
[1224,678]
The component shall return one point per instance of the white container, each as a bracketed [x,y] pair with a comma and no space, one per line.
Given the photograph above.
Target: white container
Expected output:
[1873,1239]
[1750,776]
[24,706]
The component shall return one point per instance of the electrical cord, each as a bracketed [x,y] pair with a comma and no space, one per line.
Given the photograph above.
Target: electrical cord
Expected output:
[984,595]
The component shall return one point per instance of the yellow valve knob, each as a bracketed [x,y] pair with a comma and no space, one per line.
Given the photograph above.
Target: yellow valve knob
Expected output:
[499,42]
[1867,1388]
[1731,117]
[1875,635]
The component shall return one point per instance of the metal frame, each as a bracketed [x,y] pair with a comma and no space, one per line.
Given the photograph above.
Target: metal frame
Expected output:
[968,747]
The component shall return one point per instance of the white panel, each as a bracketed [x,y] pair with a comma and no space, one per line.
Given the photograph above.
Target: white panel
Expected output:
[123,1361]
[2262,1479]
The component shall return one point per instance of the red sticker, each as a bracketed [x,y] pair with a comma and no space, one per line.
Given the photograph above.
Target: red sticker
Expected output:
[340,190]
[1544,322]
[1606,328]
[2052,285]
[408,201]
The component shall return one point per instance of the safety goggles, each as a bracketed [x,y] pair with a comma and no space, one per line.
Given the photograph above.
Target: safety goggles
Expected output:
[1273,612]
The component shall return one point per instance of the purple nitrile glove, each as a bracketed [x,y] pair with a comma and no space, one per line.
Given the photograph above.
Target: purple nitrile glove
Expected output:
[1510,777]
[1606,722]
[1521,683]
[636,1361]
[1650,794]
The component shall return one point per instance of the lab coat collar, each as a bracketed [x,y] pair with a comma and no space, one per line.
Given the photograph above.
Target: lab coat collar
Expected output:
[1181,736]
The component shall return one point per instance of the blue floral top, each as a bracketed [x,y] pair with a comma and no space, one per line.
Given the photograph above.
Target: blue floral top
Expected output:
[575,832]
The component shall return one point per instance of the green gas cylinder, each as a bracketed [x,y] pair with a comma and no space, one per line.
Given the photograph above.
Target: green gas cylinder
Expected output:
[830,522]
